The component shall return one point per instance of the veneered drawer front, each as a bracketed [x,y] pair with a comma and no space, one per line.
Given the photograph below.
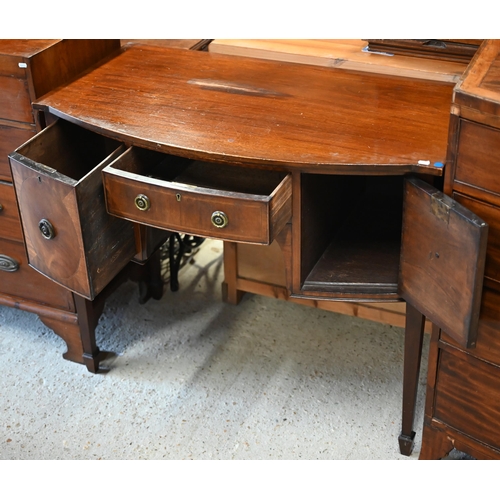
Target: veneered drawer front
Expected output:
[478,160]
[491,215]
[15,102]
[467,396]
[10,139]
[488,336]
[19,280]
[10,225]
[69,236]
[209,200]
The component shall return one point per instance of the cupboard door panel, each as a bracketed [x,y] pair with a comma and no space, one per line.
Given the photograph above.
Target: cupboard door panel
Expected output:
[443,253]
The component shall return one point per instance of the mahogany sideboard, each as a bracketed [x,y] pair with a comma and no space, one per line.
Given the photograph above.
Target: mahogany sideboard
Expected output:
[341,168]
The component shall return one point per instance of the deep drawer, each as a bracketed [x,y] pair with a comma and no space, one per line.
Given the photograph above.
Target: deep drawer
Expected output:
[69,235]
[15,102]
[491,215]
[478,161]
[203,199]
[467,396]
[10,226]
[10,139]
[17,279]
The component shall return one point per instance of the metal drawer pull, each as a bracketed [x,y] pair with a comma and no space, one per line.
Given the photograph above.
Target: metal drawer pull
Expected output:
[219,219]
[142,202]
[8,264]
[47,229]
[1,207]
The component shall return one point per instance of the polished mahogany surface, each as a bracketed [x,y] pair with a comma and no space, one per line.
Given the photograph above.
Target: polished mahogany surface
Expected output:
[254,112]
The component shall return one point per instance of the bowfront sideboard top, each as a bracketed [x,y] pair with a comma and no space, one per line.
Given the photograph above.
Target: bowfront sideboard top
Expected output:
[265,113]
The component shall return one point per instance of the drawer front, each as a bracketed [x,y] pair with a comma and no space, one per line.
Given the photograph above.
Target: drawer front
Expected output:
[15,102]
[491,215]
[19,280]
[201,211]
[10,225]
[10,139]
[488,336]
[467,397]
[478,160]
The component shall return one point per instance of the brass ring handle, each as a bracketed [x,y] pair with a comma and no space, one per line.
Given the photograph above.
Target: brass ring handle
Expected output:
[8,264]
[142,202]
[219,219]
[47,229]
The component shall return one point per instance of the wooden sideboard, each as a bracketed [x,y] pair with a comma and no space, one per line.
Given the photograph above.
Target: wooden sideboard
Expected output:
[336,166]
[463,389]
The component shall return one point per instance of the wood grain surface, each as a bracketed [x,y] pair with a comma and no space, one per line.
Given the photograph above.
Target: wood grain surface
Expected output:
[248,111]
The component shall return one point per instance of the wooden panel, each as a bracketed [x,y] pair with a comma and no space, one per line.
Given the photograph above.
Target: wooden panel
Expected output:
[343,54]
[256,206]
[263,113]
[478,161]
[61,169]
[15,102]
[10,225]
[28,283]
[491,215]
[438,237]
[467,397]
[480,87]
[67,59]
[488,337]
[10,139]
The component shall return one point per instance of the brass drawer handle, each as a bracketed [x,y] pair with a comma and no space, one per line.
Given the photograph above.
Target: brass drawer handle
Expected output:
[47,229]
[142,202]
[1,207]
[219,219]
[8,264]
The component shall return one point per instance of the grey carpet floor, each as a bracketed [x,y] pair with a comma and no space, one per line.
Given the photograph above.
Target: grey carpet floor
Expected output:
[195,378]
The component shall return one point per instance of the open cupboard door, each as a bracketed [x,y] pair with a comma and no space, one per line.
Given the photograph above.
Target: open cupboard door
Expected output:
[443,251]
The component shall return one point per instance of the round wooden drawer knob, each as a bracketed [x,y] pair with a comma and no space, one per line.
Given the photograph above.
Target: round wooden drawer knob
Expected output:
[142,202]
[219,219]
[47,229]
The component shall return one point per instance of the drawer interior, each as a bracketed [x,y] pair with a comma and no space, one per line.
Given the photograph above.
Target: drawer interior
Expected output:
[351,233]
[69,150]
[198,174]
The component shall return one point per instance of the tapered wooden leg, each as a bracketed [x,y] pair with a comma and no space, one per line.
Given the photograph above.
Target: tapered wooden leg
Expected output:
[414,335]
[88,316]
[230,292]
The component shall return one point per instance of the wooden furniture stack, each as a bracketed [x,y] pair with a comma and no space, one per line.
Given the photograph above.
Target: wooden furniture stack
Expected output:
[30,69]
[463,390]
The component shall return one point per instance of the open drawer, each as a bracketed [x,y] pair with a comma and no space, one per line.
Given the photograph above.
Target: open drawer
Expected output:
[204,199]
[70,238]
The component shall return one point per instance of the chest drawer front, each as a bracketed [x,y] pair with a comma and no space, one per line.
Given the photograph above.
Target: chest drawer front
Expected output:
[491,215]
[18,279]
[69,236]
[478,160]
[15,102]
[215,201]
[467,396]
[10,139]
[10,226]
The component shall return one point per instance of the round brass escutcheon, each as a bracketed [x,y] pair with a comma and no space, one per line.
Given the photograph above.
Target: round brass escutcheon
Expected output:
[47,229]
[142,202]
[219,219]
